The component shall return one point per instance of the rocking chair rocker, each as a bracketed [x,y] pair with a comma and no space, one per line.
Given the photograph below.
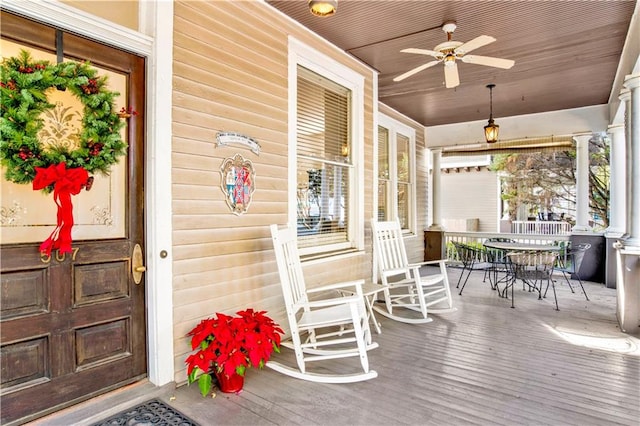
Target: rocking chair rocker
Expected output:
[321,329]
[408,296]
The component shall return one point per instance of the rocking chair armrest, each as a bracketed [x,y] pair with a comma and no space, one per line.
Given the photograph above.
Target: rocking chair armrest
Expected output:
[337,286]
[428,262]
[411,266]
[330,302]
[393,272]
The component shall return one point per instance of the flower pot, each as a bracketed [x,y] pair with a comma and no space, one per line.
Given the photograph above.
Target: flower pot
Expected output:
[230,384]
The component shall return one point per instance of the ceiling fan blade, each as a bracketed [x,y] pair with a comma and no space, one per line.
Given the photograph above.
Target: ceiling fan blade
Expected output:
[488,61]
[422,52]
[415,70]
[451,78]
[477,42]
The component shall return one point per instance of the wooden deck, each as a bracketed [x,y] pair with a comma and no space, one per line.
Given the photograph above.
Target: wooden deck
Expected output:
[485,364]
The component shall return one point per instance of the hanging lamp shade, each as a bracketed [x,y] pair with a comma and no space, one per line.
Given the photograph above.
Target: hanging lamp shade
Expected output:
[323,8]
[491,130]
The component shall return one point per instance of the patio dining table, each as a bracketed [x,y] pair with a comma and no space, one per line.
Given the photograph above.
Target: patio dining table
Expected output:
[515,246]
[500,259]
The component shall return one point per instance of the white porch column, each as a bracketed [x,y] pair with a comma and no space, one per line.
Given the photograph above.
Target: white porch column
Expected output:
[435,246]
[582,183]
[628,255]
[617,201]
[632,121]
[625,98]
[617,194]
[436,204]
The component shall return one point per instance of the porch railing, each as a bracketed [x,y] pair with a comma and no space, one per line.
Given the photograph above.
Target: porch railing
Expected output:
[477,239]
[546,227]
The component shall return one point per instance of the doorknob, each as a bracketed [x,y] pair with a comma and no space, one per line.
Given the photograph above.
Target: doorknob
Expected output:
[137,264]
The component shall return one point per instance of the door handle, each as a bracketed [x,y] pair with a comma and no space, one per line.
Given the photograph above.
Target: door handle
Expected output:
[137,264]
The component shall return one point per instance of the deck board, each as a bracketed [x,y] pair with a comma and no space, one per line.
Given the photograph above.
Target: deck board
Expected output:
[485,364]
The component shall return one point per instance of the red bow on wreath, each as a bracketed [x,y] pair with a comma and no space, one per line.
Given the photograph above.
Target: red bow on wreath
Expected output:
[67,182]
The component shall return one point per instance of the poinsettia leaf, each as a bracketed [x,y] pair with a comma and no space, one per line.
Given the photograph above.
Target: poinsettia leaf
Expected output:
[240,370]
[192,375]
[204,383]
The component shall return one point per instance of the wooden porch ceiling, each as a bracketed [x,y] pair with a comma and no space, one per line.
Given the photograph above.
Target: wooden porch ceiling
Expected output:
[566,52]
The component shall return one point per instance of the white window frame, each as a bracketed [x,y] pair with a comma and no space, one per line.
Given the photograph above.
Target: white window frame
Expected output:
[307,57]
[394,128]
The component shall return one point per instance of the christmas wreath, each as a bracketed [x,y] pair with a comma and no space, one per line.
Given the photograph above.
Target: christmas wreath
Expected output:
[59,168]
[23,85]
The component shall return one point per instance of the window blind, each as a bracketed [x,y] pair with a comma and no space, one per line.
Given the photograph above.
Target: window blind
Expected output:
[324,164]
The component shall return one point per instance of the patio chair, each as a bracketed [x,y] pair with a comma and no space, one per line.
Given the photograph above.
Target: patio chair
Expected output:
[322,328]
[408,296]
[473,259]
[498,258]
[570,264]
[532,268]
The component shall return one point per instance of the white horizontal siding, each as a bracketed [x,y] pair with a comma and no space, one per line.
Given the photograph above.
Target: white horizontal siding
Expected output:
[476,197]
[230,74]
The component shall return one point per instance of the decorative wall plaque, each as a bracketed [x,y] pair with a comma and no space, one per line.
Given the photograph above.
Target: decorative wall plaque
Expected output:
[231,138]
[237,183]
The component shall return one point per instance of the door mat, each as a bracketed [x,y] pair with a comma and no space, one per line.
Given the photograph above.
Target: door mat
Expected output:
[152,412]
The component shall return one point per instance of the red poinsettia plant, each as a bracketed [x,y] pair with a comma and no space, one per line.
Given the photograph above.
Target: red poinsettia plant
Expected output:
[229,344]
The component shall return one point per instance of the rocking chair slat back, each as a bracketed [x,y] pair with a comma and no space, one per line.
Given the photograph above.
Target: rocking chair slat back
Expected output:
[390,247]
[289,267]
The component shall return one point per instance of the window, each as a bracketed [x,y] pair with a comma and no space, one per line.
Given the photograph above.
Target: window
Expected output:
[328,122]
[396,172]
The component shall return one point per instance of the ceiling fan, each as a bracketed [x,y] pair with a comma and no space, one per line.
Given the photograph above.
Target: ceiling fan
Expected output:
[449,51]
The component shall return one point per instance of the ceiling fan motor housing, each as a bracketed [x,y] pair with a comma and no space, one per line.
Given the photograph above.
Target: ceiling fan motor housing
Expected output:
[447,46]
[449,27]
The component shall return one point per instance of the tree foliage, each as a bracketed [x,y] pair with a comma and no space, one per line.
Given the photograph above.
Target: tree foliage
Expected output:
[545,181]
[599,178]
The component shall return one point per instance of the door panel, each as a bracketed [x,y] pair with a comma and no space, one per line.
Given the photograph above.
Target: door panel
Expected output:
[73,325]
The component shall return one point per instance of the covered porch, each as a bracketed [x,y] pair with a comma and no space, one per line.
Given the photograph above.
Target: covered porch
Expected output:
[484,364]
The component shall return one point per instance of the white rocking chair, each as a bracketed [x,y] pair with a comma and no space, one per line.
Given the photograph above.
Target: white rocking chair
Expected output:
[405,291]
[321,329]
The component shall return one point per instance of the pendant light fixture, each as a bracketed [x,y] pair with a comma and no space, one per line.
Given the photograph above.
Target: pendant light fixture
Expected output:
[323,8]
[491,129]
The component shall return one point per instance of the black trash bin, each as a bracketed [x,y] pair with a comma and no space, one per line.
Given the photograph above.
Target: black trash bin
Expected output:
[593,264]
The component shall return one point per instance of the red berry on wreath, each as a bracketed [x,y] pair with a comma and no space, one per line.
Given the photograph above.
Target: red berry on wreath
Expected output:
[25,153]
[89,183]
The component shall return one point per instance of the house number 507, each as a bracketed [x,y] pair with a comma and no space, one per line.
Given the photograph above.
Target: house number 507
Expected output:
[60,257]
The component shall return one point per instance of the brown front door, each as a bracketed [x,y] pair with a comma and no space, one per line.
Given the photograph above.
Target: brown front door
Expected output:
[73,325]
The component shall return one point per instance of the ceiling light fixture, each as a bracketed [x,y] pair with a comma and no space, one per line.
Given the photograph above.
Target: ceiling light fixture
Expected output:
[491,129]
[323,8]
